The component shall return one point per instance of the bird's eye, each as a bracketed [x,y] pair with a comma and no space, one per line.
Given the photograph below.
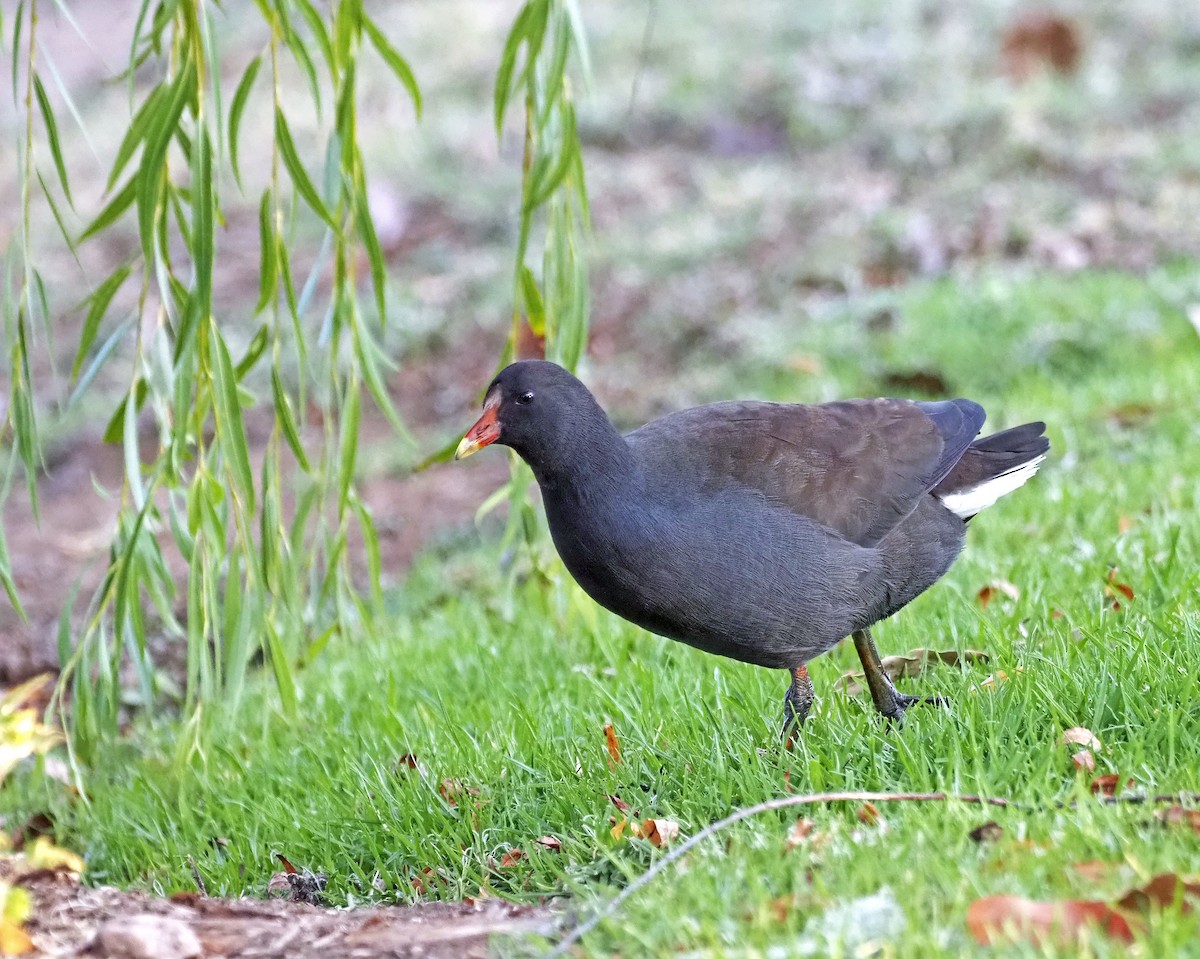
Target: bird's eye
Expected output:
[526,397]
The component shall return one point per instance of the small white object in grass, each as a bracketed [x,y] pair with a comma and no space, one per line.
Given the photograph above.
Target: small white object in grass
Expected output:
[1193,314]
[966,503]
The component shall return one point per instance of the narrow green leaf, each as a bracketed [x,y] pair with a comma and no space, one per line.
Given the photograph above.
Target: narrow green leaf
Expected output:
[544,185]
[253,352]
[51,123]
[231,428]
[268,245]
[132,450]
[375,260]
[287,421]
[508,65]
[114,432]
[396,63]
[443,454]
[348,442]
[535,309]
[10,587]
[204,239]
[366,525]
[58,219]
[320,32]
[280,668]
[150,179]
[300,179]
[99,301]
[237,107]
[18,22]
[112,210]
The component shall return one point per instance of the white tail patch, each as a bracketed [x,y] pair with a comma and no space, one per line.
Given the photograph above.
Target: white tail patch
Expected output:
[966,503]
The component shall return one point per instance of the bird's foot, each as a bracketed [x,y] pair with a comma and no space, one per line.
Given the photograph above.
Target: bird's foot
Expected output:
[895,710]
[796,704]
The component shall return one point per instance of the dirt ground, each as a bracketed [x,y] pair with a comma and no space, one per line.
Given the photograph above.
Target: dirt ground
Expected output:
[73,920]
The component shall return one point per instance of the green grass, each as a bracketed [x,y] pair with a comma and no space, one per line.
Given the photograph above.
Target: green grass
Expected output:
[508,693]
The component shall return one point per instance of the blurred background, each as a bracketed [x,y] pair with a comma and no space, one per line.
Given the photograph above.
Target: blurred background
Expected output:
[768,180]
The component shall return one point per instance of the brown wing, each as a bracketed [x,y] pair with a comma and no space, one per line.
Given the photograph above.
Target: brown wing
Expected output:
[856,466]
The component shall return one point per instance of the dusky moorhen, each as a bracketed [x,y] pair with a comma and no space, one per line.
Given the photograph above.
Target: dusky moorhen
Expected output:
[765,532]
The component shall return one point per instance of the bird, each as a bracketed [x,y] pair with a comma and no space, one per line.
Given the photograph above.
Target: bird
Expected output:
[764,532]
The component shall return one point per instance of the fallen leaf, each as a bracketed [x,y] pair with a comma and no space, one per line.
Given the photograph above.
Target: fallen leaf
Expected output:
[1084,761]
[1164,890]
[1037,39]
[618,829]
[1124,525]
[989,832]
[1080,736]
[994,588]
[1114,588]
[511,858]
[994,680]
[1093,870]
[43,854]
[1109,784]
[287,866]
[868,813]
[621,804]
[452,790]
[996,919]
[660,832]
[801,829]
[911,664]
[614,747]
[423,880]
[406,763]
[1178,816]
[549,842]
[15,908]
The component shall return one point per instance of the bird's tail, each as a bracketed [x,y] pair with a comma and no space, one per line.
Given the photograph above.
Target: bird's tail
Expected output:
[992,467]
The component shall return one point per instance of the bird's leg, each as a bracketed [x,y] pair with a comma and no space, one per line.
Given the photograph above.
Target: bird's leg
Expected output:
[887,699]
[797,702]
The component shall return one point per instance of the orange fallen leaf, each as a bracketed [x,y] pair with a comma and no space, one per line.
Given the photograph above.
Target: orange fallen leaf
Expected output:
[550,842]
[422,880]
[868,813]
[997,587]
[1080,736]
[1114,588]
[452,789]
[801,829]
[614,747]
[511,858]
[997,919]
[1084,761]
[660,832]
[1110,784]
[618,829]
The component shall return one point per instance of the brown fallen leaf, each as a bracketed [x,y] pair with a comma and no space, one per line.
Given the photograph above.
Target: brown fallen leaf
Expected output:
[988,832]
[1038,39]
[801,829]
[511,858]
[1084,761]
[994,588]
[659,832]
[452,790]
[614,747]
[1163,891]
[1110,784]
[552,843]
[406,763]
[998,919]
[911,664]
[621,804]
[1178,816]
[1080,736]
